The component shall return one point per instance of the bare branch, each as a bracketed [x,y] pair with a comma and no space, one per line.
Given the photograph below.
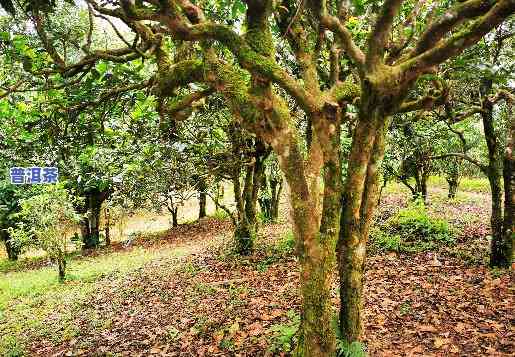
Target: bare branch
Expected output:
[11,89]
[110,94]
[482,167]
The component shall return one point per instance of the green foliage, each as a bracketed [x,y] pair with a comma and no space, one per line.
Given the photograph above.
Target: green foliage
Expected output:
[47,220]
[284,335]
[343,348]
[10,346]
[286,244]
[284,247]
[412,229]
[220,215]
[354,349]
[415,222]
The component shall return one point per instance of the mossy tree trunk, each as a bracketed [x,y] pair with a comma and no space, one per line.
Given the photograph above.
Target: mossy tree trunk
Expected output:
[61,267]
[359,202]
[107,228]
[316,226]
[276,186]
[453,181]
[500,250]
[421,177]
[270,198]
[246,197]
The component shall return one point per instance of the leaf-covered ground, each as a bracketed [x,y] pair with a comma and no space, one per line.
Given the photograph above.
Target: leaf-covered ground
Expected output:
[209,302]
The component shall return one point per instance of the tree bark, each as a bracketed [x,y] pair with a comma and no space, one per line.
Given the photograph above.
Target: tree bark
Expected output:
[107,226]
[359,203]
[453,186]
[499,256]
[509,191]
[317,232]
[61,266]
[175,214]
[276,188]
[90,226]
[12,252]
[202,199]
[246,228]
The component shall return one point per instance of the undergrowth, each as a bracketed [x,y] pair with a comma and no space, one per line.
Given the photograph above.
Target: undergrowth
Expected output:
[412,230]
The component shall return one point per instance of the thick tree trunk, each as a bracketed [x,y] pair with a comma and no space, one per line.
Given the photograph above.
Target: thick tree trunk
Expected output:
[317,232]
[317,335]
[421,178]
[219,195]
[246,229]
[360,201]
[61,266]
[85,233]
[425,177]
[90,226]
[499,256]
[497,252]
[315,250]
[453,176]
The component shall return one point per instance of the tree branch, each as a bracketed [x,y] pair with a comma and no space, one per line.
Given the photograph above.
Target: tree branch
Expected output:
[110,94]
[459,41]
[382,28]
[450,19]
[351,49]
[482,167]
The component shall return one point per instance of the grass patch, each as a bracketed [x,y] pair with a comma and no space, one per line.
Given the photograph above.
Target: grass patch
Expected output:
[468,184]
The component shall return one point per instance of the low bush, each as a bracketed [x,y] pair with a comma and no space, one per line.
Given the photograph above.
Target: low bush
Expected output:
[412,229]
[284,336]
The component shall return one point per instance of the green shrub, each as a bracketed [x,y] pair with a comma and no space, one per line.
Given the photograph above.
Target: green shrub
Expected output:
[412,230]
[264,218]
[11,347]
[220,215]
[467,184]
[354,349]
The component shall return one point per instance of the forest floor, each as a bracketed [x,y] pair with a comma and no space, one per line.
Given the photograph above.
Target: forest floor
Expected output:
[182,292]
